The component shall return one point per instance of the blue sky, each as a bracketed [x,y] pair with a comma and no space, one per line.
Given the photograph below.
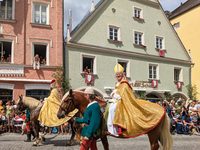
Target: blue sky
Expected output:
[81,7]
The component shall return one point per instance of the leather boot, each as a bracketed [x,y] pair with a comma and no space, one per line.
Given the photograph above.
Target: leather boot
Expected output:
[28,137]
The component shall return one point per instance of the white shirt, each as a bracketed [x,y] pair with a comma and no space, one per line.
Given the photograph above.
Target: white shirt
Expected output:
[91,103]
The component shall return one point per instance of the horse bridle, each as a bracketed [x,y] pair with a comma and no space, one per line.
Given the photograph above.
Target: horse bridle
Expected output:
[71,102]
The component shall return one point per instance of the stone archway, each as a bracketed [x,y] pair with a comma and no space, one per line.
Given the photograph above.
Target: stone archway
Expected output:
[156,96]
[178,94]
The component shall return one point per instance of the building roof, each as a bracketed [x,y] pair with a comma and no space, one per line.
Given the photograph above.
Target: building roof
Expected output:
[86,17]
[189,4]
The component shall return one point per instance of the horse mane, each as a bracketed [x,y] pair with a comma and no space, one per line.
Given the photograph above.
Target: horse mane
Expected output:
[31,103]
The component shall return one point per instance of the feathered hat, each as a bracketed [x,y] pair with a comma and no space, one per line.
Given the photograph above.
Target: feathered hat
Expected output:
[53,84]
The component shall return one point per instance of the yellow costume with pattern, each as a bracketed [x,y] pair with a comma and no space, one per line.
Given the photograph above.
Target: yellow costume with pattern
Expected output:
[134,116]
[48,113]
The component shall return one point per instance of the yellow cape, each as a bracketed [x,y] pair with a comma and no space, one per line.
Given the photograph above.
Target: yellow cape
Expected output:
[135,116]
[48,113]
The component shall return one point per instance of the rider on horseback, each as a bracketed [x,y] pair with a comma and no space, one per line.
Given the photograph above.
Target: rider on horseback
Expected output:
[129,116]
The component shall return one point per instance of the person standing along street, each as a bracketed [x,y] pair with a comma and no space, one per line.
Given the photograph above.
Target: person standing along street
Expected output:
[91,120]
[179,108]
[9,115]
[1,106]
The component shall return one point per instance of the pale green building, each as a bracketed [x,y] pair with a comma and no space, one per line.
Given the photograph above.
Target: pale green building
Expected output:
[136,34]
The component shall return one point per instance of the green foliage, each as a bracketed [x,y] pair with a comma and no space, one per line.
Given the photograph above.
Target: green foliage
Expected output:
[192,91]
[141,94]
[168,96]
[62,81]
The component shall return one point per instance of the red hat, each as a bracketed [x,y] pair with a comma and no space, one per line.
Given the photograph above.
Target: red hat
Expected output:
[53,81]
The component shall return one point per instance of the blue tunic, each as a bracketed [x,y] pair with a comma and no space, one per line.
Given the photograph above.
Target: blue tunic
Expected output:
[92,118]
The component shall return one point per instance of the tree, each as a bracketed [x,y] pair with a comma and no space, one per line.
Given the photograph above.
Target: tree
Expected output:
[168,96]
[141,94]
[192,91]
[62,81]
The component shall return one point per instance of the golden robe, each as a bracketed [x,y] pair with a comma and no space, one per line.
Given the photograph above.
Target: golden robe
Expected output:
[135,116]
[48,113]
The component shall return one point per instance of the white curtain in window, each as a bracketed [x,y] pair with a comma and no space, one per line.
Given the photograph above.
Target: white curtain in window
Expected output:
[37,14]
[3,13]
[9,9]
[44,15]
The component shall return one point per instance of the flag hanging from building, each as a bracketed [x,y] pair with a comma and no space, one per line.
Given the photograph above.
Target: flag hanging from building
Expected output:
[154,83]
[161,52]
[89,79]
[179,85]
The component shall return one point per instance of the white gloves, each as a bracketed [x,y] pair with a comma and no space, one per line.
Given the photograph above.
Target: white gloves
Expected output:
[116,96]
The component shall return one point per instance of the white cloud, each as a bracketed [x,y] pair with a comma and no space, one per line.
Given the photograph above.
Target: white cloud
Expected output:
[81,7]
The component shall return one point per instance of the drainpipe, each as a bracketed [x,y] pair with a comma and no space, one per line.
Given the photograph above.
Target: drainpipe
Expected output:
[190,71]
[63,40]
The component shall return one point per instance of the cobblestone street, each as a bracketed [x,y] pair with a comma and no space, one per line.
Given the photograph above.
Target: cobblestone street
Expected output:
[14,141]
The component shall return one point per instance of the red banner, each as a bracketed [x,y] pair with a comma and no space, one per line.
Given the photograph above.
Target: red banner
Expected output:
[161,53]
[89,79]
[154,83]
[179,85]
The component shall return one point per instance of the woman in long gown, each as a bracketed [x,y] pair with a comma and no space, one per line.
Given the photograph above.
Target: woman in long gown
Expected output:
[129,116]
[48,113]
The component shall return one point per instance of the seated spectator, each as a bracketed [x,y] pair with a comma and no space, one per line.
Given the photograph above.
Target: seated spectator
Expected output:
[9,58]
[36,62]
[180,128]
[18,122]
[192,107]
[179,108]
[86,70]
[194,118]
[2,59]
[188,122]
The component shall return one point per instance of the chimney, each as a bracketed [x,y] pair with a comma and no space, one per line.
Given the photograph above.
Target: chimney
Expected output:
[68,33]
[167,13]
[70,20]
[92,7]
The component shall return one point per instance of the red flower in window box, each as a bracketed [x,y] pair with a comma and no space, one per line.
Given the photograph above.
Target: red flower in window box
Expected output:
[161,52]
[142,45]
[179,85]
[139,18]
[154,83]
[116,41]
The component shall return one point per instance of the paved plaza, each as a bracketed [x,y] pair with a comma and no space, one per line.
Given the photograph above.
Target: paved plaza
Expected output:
[15,141]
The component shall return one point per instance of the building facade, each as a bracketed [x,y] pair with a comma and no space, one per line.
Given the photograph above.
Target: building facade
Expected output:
[27,28]
[186,23]
[136,34]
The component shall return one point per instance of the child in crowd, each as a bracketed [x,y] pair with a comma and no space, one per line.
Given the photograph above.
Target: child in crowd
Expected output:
[24,123]
[3,123]
[18,122]
[194,118]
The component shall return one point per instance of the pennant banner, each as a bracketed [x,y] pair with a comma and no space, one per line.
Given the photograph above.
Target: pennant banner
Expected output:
[154,83]
[179,85]
[89,79]
[161,53]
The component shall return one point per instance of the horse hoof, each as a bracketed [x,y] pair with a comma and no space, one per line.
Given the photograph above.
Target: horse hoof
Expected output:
[44,139]
[69,144]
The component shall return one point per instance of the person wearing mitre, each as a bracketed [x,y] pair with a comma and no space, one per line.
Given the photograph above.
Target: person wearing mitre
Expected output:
[48,113]
[129,116]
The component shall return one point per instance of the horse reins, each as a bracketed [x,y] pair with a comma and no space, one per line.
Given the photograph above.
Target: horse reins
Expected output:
[71,102]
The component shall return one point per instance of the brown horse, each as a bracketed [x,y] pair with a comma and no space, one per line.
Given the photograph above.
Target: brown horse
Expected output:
[34,106]
[161,132]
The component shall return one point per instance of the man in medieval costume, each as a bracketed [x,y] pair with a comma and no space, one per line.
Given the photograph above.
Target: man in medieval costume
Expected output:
[129,116]
[48,113]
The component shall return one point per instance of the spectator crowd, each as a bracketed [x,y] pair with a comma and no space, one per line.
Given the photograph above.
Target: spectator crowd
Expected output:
[184,118]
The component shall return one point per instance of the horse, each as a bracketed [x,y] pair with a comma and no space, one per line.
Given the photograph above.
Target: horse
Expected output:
[161,133]
[34,106]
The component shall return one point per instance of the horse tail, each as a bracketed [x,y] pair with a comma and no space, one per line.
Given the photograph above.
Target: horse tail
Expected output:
[165,136]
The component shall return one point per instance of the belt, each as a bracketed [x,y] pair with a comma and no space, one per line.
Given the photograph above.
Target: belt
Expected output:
[86,124]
